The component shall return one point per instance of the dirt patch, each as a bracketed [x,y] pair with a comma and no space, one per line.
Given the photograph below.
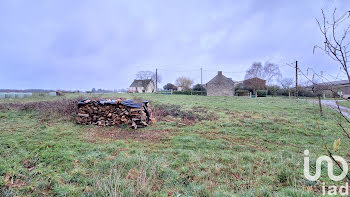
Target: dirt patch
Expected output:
[96,134]
[13,182]
[30,165]
[162,111]
[64,107]
[245,115]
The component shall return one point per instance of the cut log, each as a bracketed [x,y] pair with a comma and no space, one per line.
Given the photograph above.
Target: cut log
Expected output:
[83,115]
[112,112]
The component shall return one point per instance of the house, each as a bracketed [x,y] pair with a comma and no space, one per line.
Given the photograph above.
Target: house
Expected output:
[220,86]
[179,88]
[142,86]
[254,83]
[332,88]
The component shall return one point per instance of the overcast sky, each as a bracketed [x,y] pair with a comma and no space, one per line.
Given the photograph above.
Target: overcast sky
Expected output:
[67,44]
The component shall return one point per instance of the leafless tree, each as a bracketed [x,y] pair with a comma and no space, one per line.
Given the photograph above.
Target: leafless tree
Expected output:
[184,82]
[255,70]
[336,40]
[159,78]
[269,72]
[287,83]
[143,75]
[317,90]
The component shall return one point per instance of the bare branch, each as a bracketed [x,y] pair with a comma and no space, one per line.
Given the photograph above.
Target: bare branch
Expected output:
[334,46]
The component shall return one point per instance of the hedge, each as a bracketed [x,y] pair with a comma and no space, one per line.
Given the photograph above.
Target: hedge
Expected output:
[261,93]
[190,92]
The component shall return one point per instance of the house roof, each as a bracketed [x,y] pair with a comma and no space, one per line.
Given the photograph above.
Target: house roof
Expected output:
[341,82]
[220,77]
[139,83]
[330,84]
[254,78]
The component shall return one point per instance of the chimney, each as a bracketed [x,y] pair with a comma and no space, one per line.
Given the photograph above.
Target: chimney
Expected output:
[219,72]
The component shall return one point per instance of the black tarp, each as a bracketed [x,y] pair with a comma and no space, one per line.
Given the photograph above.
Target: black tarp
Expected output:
[128,103]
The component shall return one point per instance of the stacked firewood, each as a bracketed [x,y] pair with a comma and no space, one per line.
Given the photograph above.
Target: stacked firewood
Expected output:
[114,112]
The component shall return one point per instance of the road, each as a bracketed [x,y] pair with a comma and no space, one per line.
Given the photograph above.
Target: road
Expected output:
[332,104]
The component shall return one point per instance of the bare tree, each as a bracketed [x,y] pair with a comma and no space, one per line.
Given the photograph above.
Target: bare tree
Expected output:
[287,83]
[143,75]
[184,82]
[156,78]
[256,70]
[271,72]
[317,90]
[336,40]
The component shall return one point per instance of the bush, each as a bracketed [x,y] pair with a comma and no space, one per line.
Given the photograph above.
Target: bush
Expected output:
[305,92]
[190,92]
[198,87]
[273,90]
[242,93]
[283,92]
[261,93]
[169,86]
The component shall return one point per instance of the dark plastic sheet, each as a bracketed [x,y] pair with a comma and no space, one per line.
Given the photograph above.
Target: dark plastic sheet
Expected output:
[128,103]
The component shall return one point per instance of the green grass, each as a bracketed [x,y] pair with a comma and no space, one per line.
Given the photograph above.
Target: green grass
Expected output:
[344,103]
[255,148]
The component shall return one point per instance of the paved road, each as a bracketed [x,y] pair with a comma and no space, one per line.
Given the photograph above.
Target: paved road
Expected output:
[332,104]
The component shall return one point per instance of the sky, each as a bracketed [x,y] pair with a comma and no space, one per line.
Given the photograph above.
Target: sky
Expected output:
[85,44]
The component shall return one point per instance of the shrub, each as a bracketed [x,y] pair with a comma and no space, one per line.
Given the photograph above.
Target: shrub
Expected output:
[198,87]
[170,86]
[190,92]
[261,93]
[273,90]
[242,93]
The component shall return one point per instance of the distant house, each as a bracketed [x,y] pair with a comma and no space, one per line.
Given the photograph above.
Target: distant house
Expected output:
[142,86]
[220,86]
[179,88]
[329,89]
[254,84]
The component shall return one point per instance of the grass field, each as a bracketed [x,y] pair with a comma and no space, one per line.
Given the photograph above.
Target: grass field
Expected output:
[247,147]
[345,103]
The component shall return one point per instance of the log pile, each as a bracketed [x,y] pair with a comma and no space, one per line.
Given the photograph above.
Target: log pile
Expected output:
[114,112]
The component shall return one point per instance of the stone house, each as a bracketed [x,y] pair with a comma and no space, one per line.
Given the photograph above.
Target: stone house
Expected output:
[220,86]
[142,86]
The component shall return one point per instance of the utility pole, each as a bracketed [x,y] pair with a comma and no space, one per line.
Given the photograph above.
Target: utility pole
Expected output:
[296,79]
[201,80]
[156,79]
[201,77]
